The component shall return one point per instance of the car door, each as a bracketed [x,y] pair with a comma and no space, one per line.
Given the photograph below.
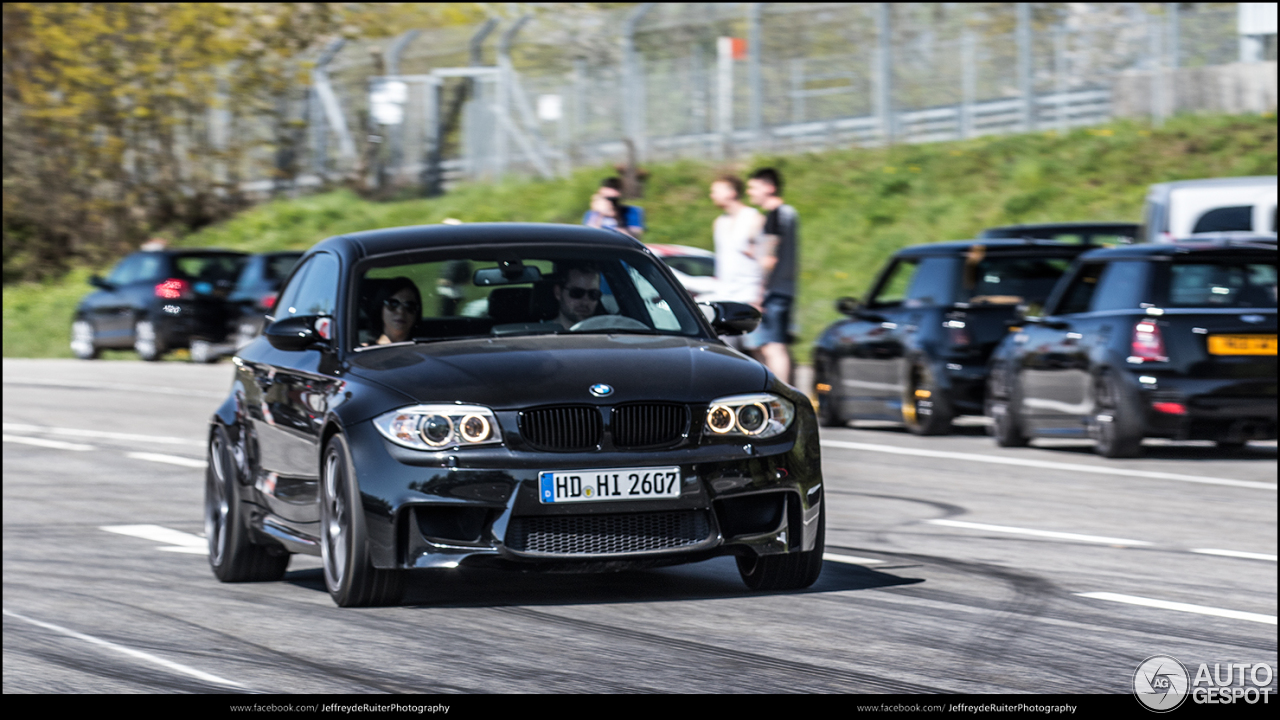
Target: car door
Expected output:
[868,347]
[109,309]
[293,390]
[1054,373]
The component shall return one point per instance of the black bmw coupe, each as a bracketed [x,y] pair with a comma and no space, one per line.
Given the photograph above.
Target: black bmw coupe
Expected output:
[511,395]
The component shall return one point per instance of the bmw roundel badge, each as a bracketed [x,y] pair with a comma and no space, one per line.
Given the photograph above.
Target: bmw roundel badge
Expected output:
[601,390]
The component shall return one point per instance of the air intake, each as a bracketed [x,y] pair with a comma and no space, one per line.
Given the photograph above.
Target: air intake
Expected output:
[608,534]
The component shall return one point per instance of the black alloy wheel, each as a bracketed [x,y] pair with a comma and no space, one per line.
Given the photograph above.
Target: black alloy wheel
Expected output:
[1003,401]
[233,557]
[350,578]
[829,401]
[788,571]
[1115,422]
[925,409]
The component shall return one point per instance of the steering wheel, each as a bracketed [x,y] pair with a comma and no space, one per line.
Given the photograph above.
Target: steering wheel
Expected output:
[609,322]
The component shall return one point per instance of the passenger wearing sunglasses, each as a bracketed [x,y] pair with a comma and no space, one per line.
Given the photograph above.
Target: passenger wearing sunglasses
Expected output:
[578,293]
[399,308]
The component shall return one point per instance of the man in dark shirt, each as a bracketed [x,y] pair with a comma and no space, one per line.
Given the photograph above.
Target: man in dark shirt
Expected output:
[777,256]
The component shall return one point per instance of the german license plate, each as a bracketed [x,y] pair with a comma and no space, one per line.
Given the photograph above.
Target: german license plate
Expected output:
[1242,344]
[602,485]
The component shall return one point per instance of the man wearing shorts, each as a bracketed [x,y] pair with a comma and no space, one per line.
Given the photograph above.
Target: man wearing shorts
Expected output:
[777,253]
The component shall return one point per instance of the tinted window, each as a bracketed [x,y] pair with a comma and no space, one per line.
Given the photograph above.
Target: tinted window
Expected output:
[125,271]
[208,268]
[1121,287]
[317,294]
[892,289]
[1079,294]
[1219,284]
[933,283]
[695,266]
[277,267]
[289,296]
[995,280]
[1225,219]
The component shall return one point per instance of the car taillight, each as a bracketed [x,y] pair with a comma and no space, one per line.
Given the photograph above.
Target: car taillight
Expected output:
[269,301]
[1147,345]
[1172,408]
[174,289]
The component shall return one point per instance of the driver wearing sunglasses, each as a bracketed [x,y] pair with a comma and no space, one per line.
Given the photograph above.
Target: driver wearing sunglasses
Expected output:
[578,294]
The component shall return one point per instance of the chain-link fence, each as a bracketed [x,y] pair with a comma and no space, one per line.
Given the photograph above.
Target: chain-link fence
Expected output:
[545,93]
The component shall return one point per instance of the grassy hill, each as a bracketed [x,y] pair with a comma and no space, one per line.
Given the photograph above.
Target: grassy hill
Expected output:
[856,206]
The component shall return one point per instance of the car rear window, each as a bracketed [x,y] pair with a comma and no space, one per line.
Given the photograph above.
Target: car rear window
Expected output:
[995,280]
[1225,219]
[1218,284]
[208,268]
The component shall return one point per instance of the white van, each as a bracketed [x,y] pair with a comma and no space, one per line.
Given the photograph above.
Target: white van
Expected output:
[1176,210]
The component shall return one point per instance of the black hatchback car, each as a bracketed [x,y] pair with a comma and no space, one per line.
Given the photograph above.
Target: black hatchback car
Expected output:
[1170,340]
[916,350]
[157,300]
[588,420]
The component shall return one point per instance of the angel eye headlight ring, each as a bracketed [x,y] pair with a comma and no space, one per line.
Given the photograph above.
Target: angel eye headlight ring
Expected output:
[721,419]
[474,428]
[437,430]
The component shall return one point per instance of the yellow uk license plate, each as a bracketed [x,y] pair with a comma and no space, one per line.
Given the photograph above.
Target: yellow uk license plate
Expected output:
[1242,344]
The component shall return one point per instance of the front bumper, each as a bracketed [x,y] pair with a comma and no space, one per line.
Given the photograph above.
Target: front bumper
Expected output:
[481,507]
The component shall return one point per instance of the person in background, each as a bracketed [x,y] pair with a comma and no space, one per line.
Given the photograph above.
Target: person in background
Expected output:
[629,218]
[777,253]
[738,275]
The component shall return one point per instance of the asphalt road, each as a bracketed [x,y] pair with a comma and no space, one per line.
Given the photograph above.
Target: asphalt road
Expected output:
[954,566]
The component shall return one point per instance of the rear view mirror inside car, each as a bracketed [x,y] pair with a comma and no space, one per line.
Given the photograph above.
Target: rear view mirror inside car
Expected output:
[487,277]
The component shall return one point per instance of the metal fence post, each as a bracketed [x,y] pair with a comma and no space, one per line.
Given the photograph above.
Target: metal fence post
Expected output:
[753,74]
[633,90]
[1025,88]
[319,106]
[395,153]
[968,82]
[884,73]
[724,94]
[1156,66]
[1060,75]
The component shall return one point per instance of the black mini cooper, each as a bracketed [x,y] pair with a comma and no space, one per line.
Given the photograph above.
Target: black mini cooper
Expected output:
[1174,340]
[513,395]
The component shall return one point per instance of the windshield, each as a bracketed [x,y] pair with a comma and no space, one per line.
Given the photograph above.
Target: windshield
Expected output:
[1225,284]
[467,293]
[1010,280]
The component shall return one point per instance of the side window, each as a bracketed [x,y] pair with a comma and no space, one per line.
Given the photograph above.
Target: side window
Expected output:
[1079,293]
[125,271]
[289,295]
[1122,286]
[1225,219]
[317,293]
[149,267]
[892,288]
[933,283]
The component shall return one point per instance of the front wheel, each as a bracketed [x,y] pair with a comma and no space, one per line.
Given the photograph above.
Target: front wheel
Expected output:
[233,557]
[352,581]
[1002,409]
[83,344]
[789,571]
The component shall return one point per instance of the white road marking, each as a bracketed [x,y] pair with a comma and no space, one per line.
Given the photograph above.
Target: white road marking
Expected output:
[106,435]
[148,657]
[41,442]
[1236,554]
[1038,533]
[1047,464]
[202,550]
[1182,607]
[159,534]
[171,459]
[83,385]
[850,559]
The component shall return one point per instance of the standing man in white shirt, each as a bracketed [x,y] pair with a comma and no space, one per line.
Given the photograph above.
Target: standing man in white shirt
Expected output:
[738,271]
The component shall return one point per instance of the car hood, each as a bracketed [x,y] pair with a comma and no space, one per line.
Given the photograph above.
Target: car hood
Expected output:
[515,372]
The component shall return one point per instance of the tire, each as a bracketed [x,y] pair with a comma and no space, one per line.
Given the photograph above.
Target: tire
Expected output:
[789,571]
[202,352]
[829,403]
[1002,408]
[925,409]
[350,578]
[146,342]
[83,340]
[232,555]
[1117,433]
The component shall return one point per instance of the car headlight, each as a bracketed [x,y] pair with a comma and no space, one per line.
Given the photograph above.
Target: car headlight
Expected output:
[761,415]
[440,427]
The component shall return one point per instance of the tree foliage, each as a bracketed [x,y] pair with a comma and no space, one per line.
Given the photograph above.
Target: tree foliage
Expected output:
[124,119]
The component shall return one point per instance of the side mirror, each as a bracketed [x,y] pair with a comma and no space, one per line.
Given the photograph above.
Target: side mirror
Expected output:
[731,318]
[848,306]
[299,332]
